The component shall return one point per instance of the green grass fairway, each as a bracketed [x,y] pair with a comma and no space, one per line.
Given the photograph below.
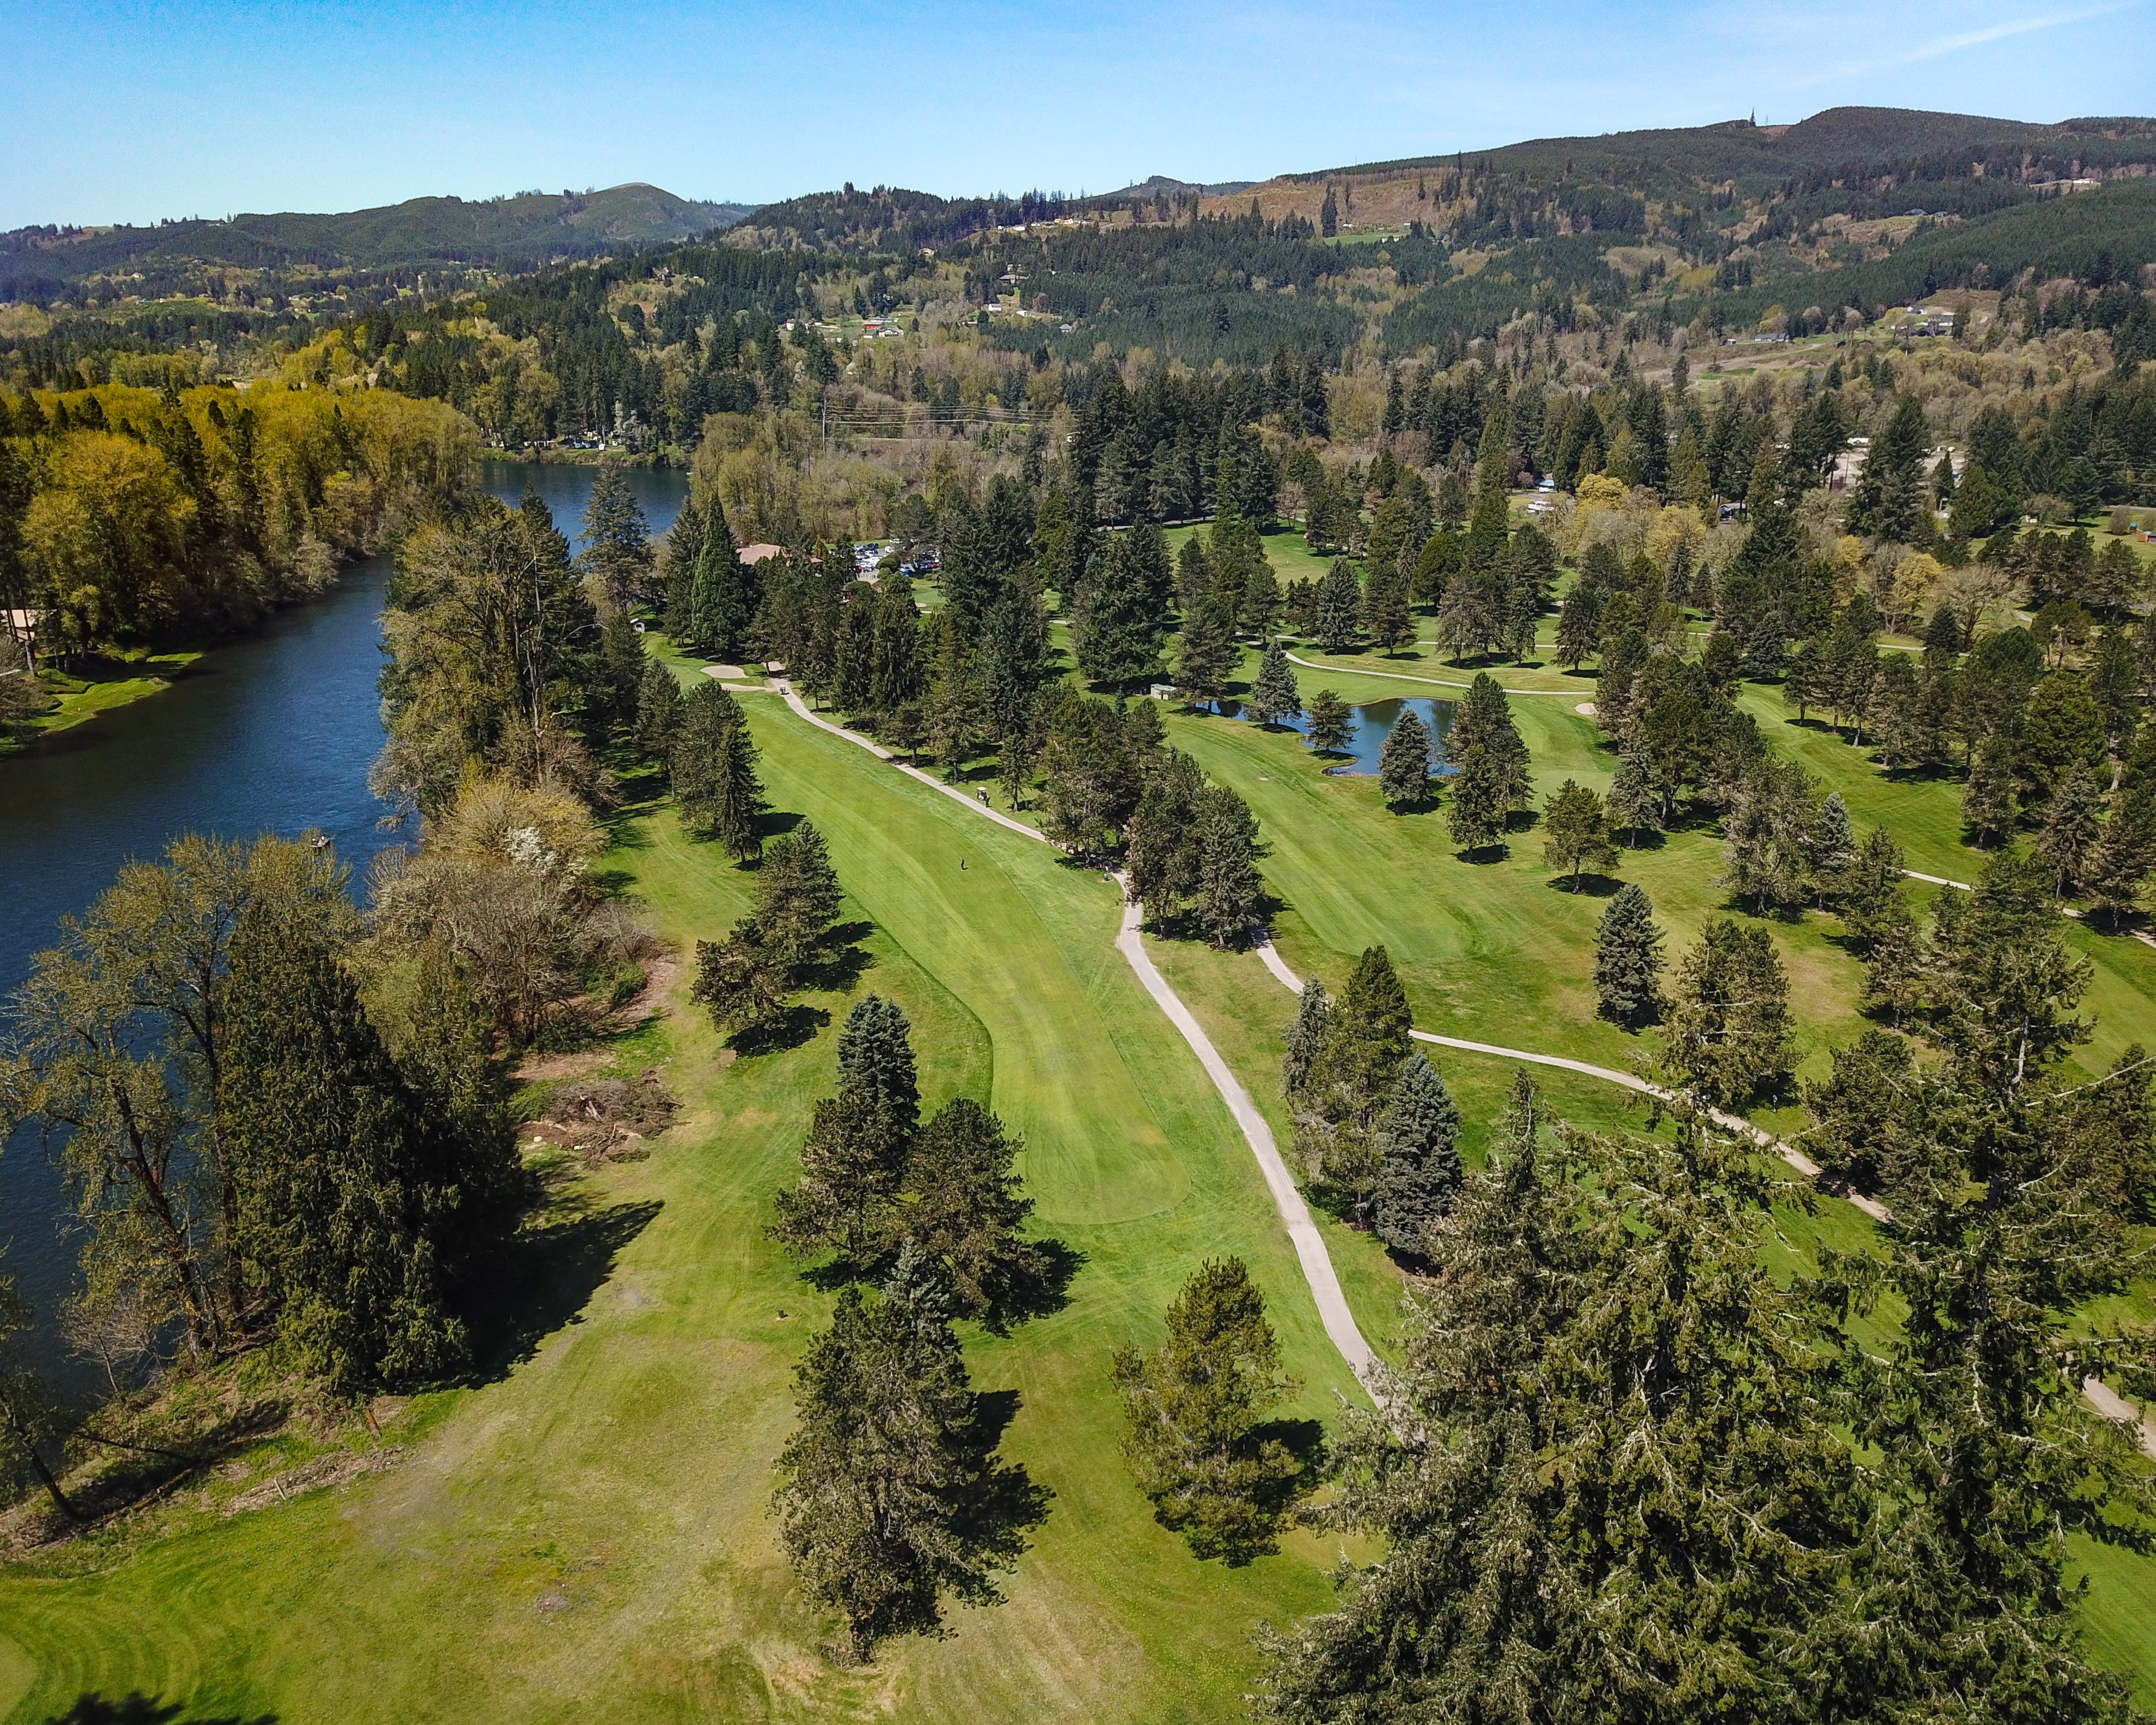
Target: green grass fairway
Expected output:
[1498,951]
[1286,549]
[587,1537]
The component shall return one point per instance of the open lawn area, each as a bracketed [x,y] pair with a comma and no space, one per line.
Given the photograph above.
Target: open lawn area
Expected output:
[586,1534]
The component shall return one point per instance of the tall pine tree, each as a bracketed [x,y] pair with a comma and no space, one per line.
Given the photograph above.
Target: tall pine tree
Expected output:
[1628,959]
[1418,1141]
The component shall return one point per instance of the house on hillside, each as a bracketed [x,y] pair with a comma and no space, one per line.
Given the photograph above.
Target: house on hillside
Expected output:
[752,555]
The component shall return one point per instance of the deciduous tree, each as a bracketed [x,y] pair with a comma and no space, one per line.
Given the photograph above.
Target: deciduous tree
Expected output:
[1576,832]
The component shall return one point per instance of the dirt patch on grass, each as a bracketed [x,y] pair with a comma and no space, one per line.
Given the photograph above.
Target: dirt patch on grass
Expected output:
[319,1475]
[655,995]
[542,1069]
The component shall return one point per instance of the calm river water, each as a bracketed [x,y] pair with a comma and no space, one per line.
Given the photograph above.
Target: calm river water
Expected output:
[271,734]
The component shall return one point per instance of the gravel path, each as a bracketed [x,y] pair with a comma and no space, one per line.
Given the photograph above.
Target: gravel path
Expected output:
[1333,1309]
[1437,682]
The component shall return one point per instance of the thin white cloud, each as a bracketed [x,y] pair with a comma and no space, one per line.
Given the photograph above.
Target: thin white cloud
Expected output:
[1940,47]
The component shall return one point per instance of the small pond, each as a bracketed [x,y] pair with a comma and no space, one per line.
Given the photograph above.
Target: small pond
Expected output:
[1370,723]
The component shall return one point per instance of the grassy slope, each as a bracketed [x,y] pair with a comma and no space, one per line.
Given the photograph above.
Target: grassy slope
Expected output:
[588,1535]
[98,687]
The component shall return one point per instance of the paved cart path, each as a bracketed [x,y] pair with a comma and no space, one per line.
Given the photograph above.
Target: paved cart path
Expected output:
[1309,1243]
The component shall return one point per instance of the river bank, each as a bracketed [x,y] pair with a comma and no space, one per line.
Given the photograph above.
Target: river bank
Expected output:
[270,731]
[99,687]
[107,682]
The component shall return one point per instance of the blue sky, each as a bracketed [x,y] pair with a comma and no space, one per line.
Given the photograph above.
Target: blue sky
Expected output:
[127,112]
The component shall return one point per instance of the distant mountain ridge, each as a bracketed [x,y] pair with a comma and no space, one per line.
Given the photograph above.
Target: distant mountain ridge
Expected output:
[1162,186]
[1739,150]
[528,228]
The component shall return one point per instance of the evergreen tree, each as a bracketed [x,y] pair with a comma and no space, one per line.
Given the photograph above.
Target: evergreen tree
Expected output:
[1628,960]
[714,783]
[1120,620]
[1671,1561]
[677,565]
[617,674]
[1330,727]
[854,1159]
[1259,614]
[1367,1035]
[743,981]
[658,712]
[747,981]
[1385,613]
[1731,1038]
[968,1207]
[723,594]
[1274,696]
[1861,1107]
[1805,680]
[1418,1141]
[1997,1244]
[1987,798]
[1207,656]
[1872,883]
[1484,720]
[1579,625]
[1474,811]
[2072,825]
[892,1493]
[1339,609]
[617,554]
[1090,779]
[344,1185]
[1230,892]
[1829,845]
[2120,865]
[1576,829]
[1635,795]
[897,674]
[1404,762]
[1891,500]
[1161,856]
[2062,725]
[1195,1444]
[798,895]
[1306,1039]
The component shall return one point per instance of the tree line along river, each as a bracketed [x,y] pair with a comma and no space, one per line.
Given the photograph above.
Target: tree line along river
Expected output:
[272,733]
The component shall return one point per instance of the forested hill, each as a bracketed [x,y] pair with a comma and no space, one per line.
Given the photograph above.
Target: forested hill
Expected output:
[1840,142]
[529,229]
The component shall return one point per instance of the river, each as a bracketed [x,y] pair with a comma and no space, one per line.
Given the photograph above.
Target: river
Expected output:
[272,733]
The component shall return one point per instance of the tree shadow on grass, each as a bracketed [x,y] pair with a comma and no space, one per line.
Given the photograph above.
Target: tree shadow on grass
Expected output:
[838,965]
[1003,1503]
[1591,885]
[1035,1284]
[546,1279]
[137,1708]
[793,1026]
[1031,1279]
